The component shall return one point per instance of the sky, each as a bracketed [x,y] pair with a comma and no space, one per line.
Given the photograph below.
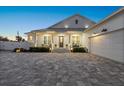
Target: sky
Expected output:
[25,19]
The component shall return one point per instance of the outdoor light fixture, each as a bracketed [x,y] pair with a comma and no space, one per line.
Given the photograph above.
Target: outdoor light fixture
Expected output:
[86,26]
[66,26]
[71,49]
[94,34]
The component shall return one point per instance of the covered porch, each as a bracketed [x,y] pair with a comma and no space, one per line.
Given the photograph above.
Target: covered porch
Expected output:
[57,39]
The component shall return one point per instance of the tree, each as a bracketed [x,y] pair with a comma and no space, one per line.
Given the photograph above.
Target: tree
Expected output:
[18,38]
[3,38]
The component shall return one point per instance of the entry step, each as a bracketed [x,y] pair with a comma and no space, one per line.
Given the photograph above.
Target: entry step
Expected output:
[60,50]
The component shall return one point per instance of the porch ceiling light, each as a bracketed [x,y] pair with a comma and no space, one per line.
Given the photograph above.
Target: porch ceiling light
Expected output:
[94,34]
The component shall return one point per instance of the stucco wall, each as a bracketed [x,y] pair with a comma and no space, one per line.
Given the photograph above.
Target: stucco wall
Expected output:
[6,45]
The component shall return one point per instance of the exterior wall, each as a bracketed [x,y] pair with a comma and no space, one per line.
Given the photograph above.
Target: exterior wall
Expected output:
[33,40]
[85,39]
[110,45]
[114,23]
[6,45]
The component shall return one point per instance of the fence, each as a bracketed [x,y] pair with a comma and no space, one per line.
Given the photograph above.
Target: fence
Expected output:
[8,45]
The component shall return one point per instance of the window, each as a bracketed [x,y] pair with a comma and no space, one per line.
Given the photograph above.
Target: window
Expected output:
[75,40]
[30,37]
[47,39]
[76,21]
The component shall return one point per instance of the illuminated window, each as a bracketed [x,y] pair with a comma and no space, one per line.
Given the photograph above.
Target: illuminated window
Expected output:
[75,39]
[30,37]
[47,39]
[76,21]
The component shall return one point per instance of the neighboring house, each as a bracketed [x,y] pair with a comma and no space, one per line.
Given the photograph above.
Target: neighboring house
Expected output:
[65,34]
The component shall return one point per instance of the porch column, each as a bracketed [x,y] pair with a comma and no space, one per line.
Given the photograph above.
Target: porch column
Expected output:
[35,39]
[69,41]
[69,38]
[52,42]
[52,38]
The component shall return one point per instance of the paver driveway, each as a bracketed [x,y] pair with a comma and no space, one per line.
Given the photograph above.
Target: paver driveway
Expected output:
[59,69]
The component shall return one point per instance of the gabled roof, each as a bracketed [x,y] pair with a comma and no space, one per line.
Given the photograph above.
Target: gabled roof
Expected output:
[107,18]
[52,28]
[70,18]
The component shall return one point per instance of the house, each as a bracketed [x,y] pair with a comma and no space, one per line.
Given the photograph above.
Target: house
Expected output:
[105,38]
[64,34]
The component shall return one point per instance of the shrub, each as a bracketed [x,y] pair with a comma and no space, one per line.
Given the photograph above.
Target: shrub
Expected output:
[80,49]
[20,50]
[39,49]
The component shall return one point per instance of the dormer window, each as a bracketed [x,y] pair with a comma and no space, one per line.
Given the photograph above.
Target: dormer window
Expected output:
[76,21]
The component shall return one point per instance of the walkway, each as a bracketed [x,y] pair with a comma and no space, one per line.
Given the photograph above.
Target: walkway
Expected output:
[60,50]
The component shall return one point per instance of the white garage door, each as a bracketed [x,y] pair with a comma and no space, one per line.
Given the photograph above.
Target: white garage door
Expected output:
[110,45]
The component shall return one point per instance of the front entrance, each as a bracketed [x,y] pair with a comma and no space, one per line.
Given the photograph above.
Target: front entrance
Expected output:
[61,41]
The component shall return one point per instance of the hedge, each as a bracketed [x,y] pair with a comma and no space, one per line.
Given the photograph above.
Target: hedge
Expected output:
[39,49]
[80,49]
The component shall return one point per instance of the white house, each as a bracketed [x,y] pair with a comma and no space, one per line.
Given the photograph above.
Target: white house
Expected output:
[105,38]
[66,33]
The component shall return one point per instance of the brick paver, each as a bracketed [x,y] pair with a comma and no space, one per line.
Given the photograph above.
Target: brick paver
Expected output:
[62,69]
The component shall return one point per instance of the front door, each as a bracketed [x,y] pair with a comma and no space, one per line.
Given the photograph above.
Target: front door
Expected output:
[61,41]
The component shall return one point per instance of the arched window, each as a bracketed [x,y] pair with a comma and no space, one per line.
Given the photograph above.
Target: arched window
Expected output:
[76,21]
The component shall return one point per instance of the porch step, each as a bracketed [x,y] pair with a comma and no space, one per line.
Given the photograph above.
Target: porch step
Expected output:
[60,50]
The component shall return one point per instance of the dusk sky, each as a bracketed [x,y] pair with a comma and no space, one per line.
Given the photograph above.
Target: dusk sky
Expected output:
[25,19]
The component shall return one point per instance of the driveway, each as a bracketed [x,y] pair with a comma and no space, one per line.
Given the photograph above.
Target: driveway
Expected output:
[62,69]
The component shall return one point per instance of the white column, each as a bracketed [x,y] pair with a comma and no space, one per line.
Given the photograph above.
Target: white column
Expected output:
[35,39]
[69,41]
[52,42]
